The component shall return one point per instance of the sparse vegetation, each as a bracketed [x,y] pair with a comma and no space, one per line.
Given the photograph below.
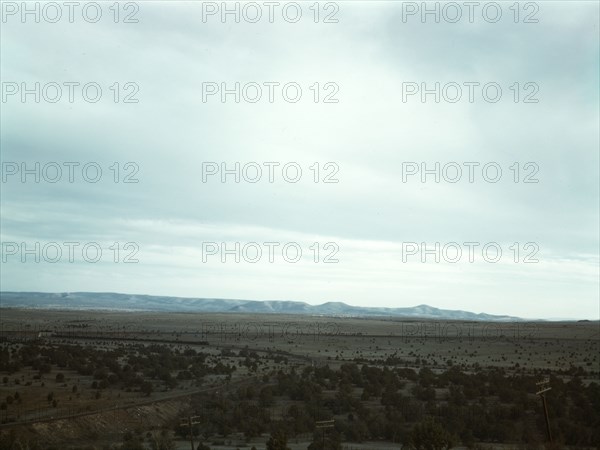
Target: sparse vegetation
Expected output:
[420,392]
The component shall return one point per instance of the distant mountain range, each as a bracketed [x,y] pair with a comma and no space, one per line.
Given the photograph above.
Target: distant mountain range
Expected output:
[126,302]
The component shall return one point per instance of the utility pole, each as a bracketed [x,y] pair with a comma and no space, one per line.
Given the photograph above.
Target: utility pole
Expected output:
[544,386]
[323,424]
[189,423]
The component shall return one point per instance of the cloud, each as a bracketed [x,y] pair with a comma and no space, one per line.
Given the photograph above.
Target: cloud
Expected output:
[367,135]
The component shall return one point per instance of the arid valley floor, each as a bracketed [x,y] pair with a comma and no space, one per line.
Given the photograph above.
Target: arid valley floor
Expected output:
[81,379]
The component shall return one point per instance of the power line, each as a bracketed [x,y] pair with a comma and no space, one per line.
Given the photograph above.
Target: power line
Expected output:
[192,420]
[544,386]
[324,424]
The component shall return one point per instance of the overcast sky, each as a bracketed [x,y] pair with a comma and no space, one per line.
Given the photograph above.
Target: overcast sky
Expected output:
[371,137]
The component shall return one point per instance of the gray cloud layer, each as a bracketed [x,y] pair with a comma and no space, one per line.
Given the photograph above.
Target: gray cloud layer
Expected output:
[368,134]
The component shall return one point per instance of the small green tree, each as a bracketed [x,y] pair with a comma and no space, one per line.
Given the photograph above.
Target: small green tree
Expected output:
[147,388]
[162,441]
[131,442]
[430,435]
[277,441]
